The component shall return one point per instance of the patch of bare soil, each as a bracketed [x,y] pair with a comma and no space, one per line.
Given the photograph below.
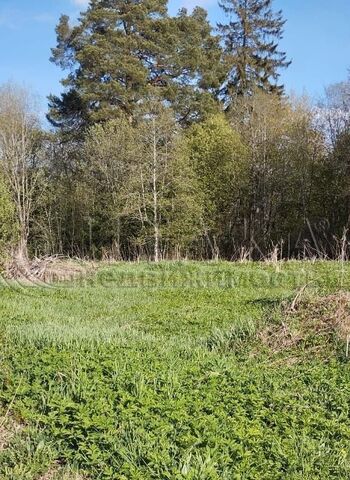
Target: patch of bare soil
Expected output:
[8,429]
[312,324]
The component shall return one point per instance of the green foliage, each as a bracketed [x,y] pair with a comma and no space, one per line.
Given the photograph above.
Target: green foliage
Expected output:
[219,158]
[337,175]
[28,454]
[186,202]
[110,150]
[122,52]
[258,179]
[146,165]
[142,183]
[164,184]
[156,371]
[251,47]
[286,166]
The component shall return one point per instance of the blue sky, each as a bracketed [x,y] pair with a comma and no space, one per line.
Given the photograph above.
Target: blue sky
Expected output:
[317,39]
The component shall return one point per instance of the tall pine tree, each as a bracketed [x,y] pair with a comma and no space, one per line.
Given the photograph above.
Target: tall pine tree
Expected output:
[124,51]
[251,47]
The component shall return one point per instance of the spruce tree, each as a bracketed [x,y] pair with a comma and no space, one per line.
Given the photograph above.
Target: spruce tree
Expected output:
[122,52]
[251,47]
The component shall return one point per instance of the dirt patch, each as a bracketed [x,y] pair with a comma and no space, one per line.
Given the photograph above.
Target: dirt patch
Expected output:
[8,429]
[312,324]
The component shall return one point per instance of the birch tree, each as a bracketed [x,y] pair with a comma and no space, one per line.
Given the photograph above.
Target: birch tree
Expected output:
[164,193]
[156,136]
[19,147]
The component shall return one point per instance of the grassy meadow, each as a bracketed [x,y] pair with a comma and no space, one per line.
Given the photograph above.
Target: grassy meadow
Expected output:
[167,371]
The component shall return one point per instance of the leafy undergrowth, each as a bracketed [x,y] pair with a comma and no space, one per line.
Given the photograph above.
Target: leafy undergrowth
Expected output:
[178,371]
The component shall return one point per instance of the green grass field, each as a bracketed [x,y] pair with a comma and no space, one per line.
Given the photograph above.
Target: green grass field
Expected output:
[148,371]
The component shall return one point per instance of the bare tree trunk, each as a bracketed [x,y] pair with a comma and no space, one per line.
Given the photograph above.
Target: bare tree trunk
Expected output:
[21,253]
[117,241]
[155,197]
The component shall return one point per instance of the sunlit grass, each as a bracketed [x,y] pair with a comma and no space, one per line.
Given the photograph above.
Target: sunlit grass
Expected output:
[151,371]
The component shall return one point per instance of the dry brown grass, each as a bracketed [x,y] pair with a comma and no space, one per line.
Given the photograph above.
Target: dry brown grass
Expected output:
[313,324]
[47,269]
[8,429]
[59,473]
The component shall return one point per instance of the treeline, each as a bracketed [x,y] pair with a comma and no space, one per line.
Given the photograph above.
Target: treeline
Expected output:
[174,140]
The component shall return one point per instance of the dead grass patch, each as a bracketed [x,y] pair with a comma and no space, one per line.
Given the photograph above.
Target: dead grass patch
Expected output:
[8,429]
[311,324]
[47,269]
[56,472]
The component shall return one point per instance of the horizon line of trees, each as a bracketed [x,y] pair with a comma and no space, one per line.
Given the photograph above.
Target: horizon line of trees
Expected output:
[174,141]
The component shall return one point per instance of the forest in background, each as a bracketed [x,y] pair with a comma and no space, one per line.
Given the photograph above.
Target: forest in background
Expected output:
[174,139]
